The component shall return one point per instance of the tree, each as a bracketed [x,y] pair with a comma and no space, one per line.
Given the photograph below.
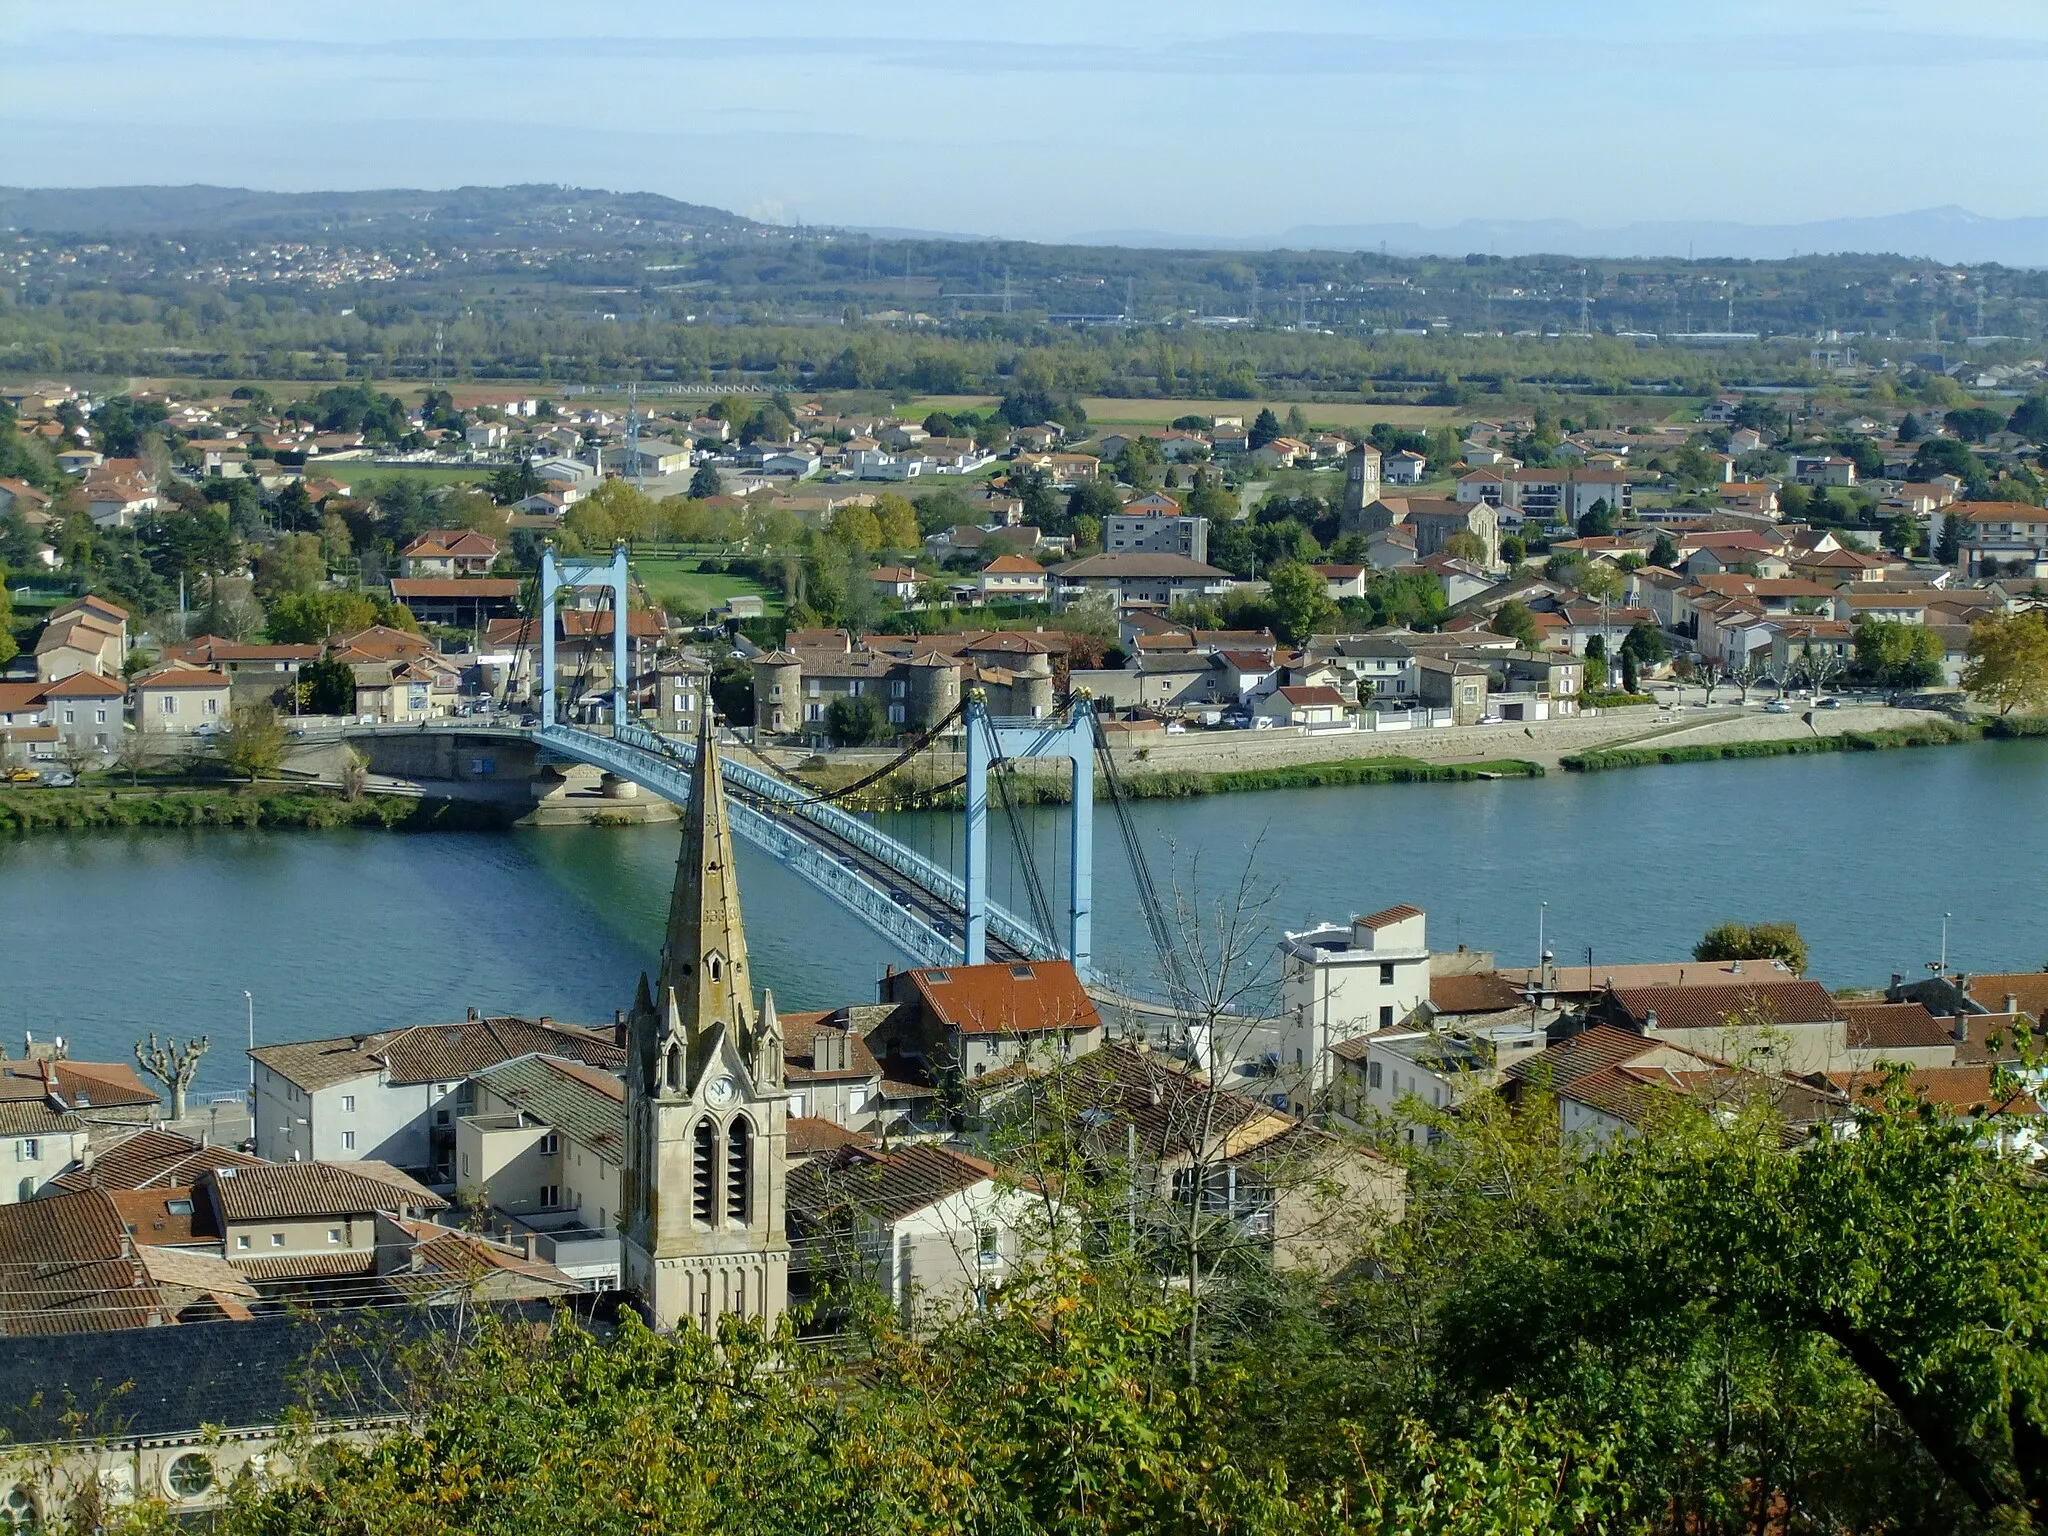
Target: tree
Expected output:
[1897,655]
[1512,550]
[1301,601]
[1629,674]
[2030,420]
[1694,467]
[1911,429]
[328,687]
[1515,619]
[1645,642]
[1949,548]
[254,742]
[1265,427]
[295,563]
[2007,662]
[897,523]
[1754,941]
[1598,521]
[135,751]
[1664,552]
[1465,546]
[9,646]
[857,528]
[854,721]
[306,618]
[1974,423]
[705,483]
[173,1065]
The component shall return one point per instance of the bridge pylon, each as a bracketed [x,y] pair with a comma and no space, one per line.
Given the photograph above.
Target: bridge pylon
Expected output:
[991,738]
[558,575]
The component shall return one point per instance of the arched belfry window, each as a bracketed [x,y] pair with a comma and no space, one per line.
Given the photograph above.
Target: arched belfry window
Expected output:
[715,967]
[672,1074]
[739,1153]
[704,1174]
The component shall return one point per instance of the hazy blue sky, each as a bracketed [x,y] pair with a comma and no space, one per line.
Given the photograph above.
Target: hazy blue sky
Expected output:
[1054,117]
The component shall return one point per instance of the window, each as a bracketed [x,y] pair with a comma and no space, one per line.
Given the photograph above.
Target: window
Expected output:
[898,688]
[811,687]
[703,1191]
[482,767]
[991,1250]
[673,1075]
[25,1191]
[550,1144]
[465,1165]
[1372,1074]
[213,706]
[348,1141]
[440,1117]
[1387,974]
[738,1150]
[277,1239]
[348,1103]
[18,1510]
[70,715]
[334,1235]
[190,1476]
[28,1151]
[550,1197]
[178,1207]
[170,704]
[1386,1016]
[241,1245]
[99,717]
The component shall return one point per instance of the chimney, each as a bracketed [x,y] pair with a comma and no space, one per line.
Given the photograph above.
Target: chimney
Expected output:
[1959,1030]
[1897,980]
[472,1015]
[545,1021]
[1650,1021]
[526,1245]
[2012,1003]
[1734,967]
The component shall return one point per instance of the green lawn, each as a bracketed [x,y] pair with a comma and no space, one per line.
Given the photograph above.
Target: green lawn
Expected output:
[675,583]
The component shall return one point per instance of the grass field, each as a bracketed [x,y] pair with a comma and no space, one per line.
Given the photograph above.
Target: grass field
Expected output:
[675,583]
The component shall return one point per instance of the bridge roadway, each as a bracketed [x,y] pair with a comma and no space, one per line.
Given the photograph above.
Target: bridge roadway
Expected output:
[916,904]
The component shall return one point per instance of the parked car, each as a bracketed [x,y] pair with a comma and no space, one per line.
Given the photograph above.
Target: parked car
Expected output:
[1829,704]
[22,776]
[1176,728]
[57,778]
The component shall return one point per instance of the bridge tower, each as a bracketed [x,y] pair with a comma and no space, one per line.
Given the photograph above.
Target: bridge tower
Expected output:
[706,1111]
[989,739]
[557,576]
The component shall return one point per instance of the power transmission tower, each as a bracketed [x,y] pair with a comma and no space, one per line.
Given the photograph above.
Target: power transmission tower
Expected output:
[1006,290]
[633,430]
[439,330]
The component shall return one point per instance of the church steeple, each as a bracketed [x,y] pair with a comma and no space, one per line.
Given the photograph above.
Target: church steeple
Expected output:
[704,978]
[706,1113]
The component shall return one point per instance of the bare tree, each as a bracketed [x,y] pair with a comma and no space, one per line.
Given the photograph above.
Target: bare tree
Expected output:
[136,751]
[77,755]
[355,774]
[1752,670]
[173,1065]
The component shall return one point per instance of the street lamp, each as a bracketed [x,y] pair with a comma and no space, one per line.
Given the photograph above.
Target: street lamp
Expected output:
[248,998]
[1542,911]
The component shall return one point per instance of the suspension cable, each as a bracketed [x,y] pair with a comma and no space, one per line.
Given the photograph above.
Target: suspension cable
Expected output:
[1154,912]
[1041,910]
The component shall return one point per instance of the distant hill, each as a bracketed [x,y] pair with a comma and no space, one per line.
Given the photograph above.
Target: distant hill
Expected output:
[544,214]
[1935,234]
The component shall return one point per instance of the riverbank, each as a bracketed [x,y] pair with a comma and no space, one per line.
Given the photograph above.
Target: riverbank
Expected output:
[1042,786]
[1926,733]
[63,810]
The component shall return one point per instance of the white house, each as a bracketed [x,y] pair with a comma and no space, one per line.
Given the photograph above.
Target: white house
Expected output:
[1404,468]
[1339,981]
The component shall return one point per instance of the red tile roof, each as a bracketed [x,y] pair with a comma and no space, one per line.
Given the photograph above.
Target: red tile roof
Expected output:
[1003,998]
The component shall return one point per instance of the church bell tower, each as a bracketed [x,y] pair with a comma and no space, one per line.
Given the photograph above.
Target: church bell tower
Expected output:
[706,1112]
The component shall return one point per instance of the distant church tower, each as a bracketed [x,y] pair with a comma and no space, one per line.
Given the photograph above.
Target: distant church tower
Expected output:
[706,1113]
[1361,482]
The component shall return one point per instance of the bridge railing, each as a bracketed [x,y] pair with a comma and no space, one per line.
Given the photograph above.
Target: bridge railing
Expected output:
[877,844]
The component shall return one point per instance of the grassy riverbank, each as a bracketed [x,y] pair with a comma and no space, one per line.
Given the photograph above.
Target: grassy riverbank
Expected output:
[1139,784]
[1935,733]
[65,810]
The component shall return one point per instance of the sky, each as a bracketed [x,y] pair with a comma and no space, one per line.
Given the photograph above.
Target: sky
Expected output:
[1056,118]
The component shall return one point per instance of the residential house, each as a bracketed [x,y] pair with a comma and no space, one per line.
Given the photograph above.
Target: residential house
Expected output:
[1012,578]
[449,552]
[1309,707]
[1829,469]
[87,711]
[2003,538]
[256,673]
[87,634]
[963,1022]
[1459,686]
[1405,467]
[118,492]
[1344,581]
[1146,527]
[1340,981]
[1254,1170]
[1161,579]
[1384,1077]
[287,1226]
[541,1149]
[1488,485]
[1783,1025]
[659,459]
[1375,665]
[935,1228]
[895,581]
[182,701]
[485,436]
[394,1095]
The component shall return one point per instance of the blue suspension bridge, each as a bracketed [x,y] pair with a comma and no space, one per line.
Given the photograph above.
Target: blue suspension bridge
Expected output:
[927,910]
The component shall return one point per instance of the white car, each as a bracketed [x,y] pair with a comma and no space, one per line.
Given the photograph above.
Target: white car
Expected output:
[1176,728]
[1491,720]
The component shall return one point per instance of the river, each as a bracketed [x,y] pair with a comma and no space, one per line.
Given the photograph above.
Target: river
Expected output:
[106,936]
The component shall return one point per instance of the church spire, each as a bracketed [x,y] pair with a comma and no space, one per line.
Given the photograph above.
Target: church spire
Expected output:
[704,981]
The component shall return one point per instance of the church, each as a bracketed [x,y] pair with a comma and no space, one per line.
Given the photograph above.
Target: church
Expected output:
[707,1112]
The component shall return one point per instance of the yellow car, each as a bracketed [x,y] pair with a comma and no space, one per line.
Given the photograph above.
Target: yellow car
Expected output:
[23,776]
